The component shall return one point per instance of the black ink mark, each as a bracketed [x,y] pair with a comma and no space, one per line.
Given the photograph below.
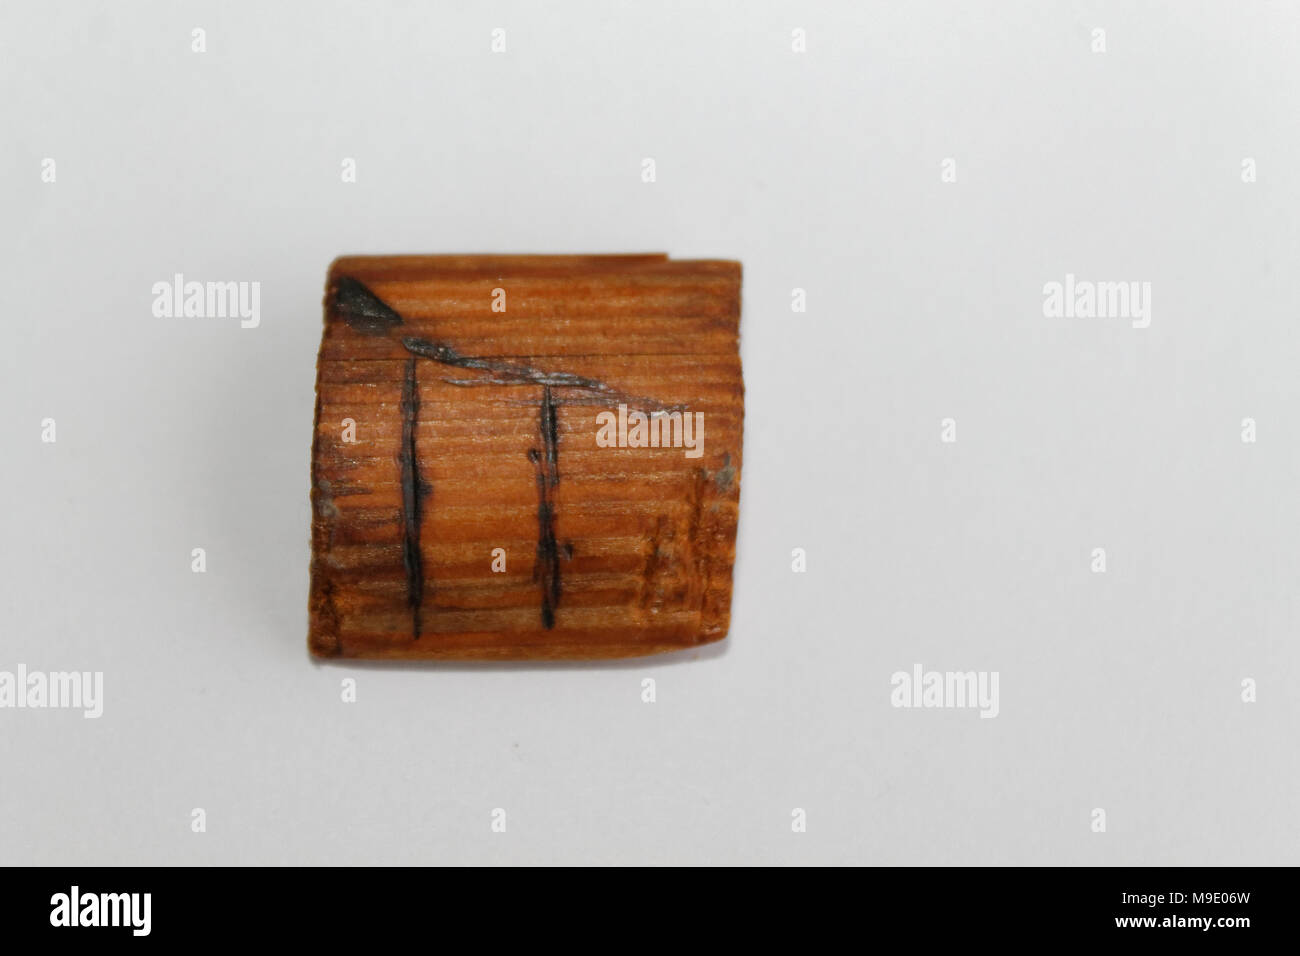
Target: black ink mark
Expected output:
[412,491]
[550,437]
[360,308]
[367,313]
[514,374]
[546,571]
[507,373]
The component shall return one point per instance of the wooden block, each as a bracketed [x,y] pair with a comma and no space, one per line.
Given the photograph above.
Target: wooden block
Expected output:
[525,457]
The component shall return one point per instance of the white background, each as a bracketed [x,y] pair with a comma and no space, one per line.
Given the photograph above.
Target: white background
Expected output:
[819,170]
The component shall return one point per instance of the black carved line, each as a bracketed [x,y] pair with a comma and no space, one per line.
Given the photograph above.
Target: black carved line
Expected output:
[515,374]
[411,494]
[368,314]
[546,572]
[507,373]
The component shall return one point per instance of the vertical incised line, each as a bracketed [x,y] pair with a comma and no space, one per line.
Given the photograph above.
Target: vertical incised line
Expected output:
[547,569]
[411,494]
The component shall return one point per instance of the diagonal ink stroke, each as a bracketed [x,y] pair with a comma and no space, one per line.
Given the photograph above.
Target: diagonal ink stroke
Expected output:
[508,373]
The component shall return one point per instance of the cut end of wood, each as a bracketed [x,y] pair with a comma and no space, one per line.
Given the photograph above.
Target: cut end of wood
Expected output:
[525,457]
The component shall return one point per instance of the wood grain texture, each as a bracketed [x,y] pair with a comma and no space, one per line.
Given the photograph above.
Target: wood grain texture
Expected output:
[476,429]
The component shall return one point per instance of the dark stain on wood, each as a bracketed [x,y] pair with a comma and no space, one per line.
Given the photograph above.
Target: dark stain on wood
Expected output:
[360,308]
